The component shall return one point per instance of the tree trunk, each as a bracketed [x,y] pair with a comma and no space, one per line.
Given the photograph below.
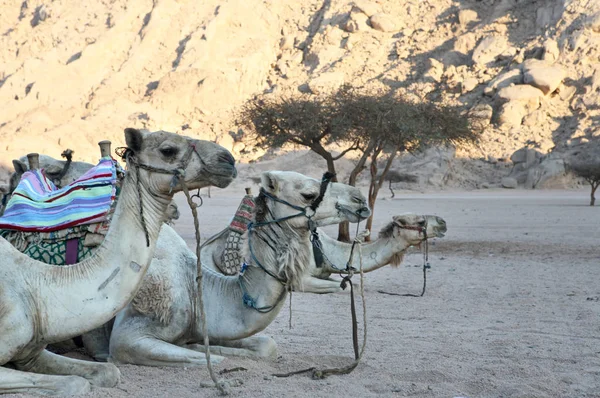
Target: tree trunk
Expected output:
[319,150]
[592,195]
[373,191]
[344,228]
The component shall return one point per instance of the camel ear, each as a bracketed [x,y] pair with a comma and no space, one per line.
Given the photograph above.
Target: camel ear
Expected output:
[20,167]
[133,138]
[269,182]
[398,221]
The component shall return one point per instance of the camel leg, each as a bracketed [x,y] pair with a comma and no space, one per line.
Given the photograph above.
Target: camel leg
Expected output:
[46,362]
[15,382]
[13,339]
[96,343]
[252,347]
[150,351]
[310,284]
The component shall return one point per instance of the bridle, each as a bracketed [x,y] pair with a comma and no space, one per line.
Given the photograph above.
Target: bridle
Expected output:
[129,157]
[308,212]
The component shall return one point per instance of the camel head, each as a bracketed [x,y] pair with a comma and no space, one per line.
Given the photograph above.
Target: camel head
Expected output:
[410,228]
[340,202]
[161,155]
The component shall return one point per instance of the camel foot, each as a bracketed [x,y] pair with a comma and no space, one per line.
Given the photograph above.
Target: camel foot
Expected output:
[18,382]
[250,347]
[98,374]
[310,284]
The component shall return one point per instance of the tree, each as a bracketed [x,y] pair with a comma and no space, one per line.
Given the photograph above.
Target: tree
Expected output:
[313,122]
[587,166]
[377,125]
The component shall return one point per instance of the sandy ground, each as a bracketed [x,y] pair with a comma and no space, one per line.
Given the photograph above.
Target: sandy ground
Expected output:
[511,310]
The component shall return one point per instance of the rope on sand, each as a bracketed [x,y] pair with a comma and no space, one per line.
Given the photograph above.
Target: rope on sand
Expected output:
[323,373]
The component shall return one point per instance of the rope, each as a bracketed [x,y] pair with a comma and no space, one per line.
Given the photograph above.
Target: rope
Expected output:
[221,385]
[323,373]
[426,266]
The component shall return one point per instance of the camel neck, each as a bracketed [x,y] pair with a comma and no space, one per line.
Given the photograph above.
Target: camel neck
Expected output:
[375,254]
[80,297]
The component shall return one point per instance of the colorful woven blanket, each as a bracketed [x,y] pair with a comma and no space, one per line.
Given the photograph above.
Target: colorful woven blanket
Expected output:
[231,257]
[38,206]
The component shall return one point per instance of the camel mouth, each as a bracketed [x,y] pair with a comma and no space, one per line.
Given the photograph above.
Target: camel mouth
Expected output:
[221,177]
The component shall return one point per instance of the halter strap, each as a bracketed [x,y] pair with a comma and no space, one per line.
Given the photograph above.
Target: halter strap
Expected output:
[128,156]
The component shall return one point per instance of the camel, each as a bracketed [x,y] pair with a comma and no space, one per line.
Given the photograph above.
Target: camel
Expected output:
[402,232]
[41,304]
[161,328]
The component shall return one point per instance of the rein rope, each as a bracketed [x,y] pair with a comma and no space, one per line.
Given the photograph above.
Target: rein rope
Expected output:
[220,384]
[323,373]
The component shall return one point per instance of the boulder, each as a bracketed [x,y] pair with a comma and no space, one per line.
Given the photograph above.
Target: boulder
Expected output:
[465,43]
[488,49]
[383,23]
[506,79]
[509,182]
[469,84]
[465,17]
[327,82]
[511,114]
[546,79]
[525,156]
[369,8]
[524,93]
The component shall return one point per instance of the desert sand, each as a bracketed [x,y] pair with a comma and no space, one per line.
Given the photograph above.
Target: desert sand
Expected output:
[511,309]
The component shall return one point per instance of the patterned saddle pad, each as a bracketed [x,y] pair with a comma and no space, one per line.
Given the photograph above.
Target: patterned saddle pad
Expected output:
[62,226]
[38,206]
[231,258]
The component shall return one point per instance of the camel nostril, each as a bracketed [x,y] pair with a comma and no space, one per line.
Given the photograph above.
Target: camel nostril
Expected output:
[364,212]
[227,158]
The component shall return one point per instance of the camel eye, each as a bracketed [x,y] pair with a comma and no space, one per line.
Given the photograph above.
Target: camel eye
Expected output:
[309,196]
[421,223]
[169,151]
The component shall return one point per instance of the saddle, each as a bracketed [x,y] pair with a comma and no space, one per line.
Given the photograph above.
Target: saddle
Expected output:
[62,226]
[231,258]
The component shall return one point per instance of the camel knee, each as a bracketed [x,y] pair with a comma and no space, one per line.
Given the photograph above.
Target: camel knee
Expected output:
[267,347]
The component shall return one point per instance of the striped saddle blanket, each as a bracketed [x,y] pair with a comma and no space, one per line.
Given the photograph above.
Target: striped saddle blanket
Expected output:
[38,206]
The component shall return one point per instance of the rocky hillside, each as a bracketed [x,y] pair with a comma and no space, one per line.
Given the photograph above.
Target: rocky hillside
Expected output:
[73,73]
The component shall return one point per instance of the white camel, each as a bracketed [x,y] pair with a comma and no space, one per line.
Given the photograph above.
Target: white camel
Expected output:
[162,328]
[40,303]
[394,239]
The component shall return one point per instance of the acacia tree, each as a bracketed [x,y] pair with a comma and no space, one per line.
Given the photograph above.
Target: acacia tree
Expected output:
[376,124]
[313,122]
[587,166]
[394,125]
